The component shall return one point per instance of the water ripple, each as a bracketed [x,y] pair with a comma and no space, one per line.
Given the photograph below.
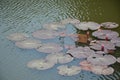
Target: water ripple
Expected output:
[29,15]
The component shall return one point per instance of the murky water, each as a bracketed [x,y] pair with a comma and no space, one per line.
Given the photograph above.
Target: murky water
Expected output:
[29,15]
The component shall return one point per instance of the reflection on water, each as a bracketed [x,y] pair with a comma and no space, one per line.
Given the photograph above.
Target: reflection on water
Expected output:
[29,15]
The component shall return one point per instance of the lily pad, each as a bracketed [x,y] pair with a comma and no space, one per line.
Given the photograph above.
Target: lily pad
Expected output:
[68,70]
[28,44]
[50,48]
[87,25]
[103,34]
[17,36]
[110,25]
[40,64]
[59,58]
[101,59]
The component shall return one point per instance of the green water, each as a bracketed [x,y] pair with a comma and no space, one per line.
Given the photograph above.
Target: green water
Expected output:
[29,15]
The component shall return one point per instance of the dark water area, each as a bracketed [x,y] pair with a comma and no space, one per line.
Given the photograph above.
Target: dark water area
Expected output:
[29,15]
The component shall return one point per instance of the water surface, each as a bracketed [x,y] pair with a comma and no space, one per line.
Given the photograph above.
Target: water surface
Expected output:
[29,15]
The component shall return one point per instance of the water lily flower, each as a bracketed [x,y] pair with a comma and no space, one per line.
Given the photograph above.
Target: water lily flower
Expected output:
[102,46]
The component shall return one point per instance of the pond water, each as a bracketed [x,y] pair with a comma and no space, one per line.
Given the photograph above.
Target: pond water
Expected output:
[29,15]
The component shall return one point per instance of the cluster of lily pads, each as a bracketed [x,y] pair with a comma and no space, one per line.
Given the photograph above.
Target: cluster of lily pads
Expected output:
[95,57]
